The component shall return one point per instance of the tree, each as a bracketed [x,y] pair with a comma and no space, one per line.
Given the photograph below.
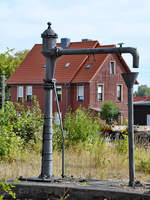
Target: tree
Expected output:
[109,112]
[143,91]
[8,63]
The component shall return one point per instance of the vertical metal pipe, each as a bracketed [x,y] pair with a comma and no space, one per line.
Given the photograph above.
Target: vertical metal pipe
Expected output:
[3,90]
[47,147]
[67,100]
[62,131]
[130,78]
[131,137]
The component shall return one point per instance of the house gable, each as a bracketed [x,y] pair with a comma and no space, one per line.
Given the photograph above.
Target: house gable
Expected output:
[110,83]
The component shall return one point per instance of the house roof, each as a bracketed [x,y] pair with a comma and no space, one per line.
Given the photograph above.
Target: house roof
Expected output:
[69,68]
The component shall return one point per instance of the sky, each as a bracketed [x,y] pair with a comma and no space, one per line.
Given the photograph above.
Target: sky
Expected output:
[108,21]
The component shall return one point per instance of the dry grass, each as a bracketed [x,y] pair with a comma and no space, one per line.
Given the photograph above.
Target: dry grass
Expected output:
[99,163]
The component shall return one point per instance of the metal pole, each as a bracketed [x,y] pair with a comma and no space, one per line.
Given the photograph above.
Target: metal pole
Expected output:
[47,147]
[49,42]
[130,78]
[3,90]
[62,131]
[131,137]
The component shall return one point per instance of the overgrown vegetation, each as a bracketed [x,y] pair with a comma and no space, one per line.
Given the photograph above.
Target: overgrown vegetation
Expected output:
[88,153]
[7,188]
[80,126]
[19,127]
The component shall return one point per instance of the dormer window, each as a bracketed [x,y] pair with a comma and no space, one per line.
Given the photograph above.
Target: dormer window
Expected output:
[112,67]
[88,66]
[67,64]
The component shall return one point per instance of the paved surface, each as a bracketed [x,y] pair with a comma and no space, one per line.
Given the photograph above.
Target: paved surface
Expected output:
[75,189]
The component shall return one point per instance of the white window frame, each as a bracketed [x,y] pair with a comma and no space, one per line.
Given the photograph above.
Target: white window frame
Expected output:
[80,93]
[29,93]
[20,93]
[59,88]
[102,92]
[112,72]
[121,93]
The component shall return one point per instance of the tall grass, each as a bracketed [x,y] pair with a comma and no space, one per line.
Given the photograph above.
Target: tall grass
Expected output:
[87,154]
[101,161]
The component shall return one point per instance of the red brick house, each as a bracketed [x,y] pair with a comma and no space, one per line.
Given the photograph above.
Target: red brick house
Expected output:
[86,80]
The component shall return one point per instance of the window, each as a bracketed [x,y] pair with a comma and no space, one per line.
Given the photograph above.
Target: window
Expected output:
[119,93]
[112,67]
[100,93]
[59,92]
[20,93]
[80,93]
[29,93]
[44,67]
[67,64]
[88,66]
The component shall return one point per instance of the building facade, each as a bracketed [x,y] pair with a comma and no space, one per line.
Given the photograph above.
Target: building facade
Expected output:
[82,80]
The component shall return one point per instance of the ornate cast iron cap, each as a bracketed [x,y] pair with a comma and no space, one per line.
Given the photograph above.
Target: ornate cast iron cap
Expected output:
[49,33]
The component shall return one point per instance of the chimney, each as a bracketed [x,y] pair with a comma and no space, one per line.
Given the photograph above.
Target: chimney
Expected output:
[65,42]
[86,40]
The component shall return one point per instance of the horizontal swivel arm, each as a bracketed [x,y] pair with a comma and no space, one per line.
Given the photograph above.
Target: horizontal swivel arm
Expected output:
[59,52]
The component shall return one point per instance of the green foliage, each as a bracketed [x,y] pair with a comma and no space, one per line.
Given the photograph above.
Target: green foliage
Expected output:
[109,112]
[143,91]
[9,62]
[121,146]
[57,137]
[144,165]
[19,127]
[79,126]
[7,188]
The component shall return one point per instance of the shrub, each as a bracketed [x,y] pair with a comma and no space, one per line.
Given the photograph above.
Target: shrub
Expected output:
[109,112]
[81,126]
[7,188]
[19,126]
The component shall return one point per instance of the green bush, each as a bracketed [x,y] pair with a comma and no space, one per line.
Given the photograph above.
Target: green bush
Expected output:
[80,126]
[109,112]
[7,188]
[19,126]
